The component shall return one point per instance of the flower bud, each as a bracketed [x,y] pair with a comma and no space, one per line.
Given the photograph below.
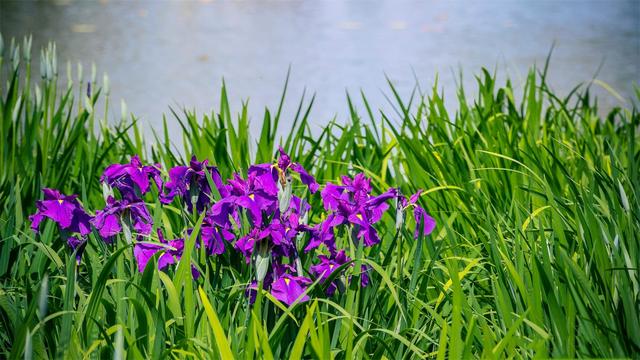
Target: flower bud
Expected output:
[262,258]
[107,191]
[284,194]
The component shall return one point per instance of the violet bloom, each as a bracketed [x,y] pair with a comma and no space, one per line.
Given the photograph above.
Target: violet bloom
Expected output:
[420,215]
[64,210]
[172,251]
[284,163]
[261,192]
[224,213]
[190,183]
[132,179]
[132,214]
[279,234]
[359,187]
[364,275]
[258,195]
[288,288]
[351,204]
[270,238]
[276,271]
[213,236]
[77,244]
[247,243]
[327,266]
[322,233]
[143,252]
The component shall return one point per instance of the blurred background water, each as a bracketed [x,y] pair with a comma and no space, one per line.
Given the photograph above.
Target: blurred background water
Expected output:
[161,54]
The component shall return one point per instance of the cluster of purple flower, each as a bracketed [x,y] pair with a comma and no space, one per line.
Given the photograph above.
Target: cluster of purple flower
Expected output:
[258,216]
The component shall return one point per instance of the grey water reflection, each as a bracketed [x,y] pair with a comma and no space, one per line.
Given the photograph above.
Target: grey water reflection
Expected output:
[161,54]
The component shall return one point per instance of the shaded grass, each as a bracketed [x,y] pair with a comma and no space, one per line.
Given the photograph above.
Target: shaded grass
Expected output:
[535,254]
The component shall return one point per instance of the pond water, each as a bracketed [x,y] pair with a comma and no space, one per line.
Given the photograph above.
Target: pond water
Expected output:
[161,54]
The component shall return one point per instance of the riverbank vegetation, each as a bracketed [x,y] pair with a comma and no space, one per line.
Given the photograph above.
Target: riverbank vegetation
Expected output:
[534,251]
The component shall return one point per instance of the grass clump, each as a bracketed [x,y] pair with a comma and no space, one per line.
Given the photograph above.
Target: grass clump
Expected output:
[535,254]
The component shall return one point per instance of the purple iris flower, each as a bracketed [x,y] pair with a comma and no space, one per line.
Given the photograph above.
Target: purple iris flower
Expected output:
[214,236]
[262,177]
[247,243]
[224,213]
[327,266]
[289,288]
[172,252]
[359,187]
[77,244]
[364,275]
[420,215]
[276,271]
[284,163]
[64,210]
[258,194]
[190,182]
[280,233]
[143,252]
[67,212]
[134,214]
[132,179]
[322,233]
[351,204]
[275,236]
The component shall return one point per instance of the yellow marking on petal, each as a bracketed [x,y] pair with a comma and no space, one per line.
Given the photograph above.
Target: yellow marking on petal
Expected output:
[252,196]
[60,201]
[359,216]
[331,266]
[287,281]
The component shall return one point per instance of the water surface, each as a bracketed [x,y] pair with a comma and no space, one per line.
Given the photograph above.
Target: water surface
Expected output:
[161,54]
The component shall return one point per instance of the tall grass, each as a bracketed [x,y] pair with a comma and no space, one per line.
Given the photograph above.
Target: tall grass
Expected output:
[536,252]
